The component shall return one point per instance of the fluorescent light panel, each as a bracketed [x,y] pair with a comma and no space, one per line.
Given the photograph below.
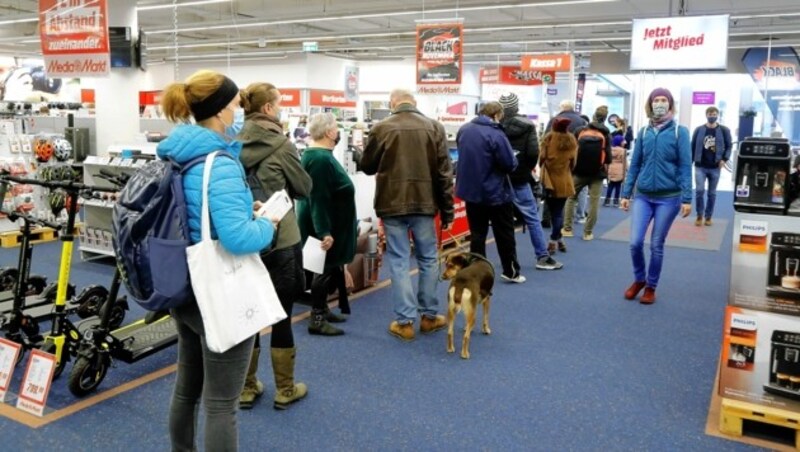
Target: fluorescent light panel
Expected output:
[194,3]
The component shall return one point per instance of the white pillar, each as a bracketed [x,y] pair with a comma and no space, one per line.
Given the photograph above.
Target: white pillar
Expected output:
[117,97]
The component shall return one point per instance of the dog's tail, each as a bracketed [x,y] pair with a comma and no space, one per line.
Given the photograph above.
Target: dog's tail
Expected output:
[461,292]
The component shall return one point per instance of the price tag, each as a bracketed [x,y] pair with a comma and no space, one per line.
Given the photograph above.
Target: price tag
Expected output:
[8,358]
[36,382]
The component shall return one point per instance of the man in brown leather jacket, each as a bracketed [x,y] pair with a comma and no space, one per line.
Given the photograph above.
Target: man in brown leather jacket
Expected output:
[408,153]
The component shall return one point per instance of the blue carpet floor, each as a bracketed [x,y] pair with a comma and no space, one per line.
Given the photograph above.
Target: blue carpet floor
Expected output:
[570,365]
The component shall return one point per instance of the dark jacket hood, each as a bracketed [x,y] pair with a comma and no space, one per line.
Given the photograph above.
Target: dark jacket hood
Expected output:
[516,126]
[261,136]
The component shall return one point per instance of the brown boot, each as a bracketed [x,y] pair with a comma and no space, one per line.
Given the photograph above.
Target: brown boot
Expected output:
[252,387]
[429,325]
[286,390]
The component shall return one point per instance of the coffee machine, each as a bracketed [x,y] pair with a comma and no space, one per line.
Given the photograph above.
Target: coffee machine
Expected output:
[784,370]
[783,271]
[762,175]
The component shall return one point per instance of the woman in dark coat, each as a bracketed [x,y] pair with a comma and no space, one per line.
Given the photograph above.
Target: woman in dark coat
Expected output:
[328,214]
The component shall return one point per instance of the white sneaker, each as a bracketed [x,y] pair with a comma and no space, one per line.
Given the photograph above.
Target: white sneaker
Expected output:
[519,279]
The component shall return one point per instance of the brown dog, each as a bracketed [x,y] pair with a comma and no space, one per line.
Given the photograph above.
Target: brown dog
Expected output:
[471,280]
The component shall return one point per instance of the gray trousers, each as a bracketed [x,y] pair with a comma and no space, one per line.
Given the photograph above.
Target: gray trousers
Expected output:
[216,378]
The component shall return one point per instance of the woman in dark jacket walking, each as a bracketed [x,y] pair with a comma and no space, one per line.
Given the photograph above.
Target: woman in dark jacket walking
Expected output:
[329,214]
[485,161]
[272,164]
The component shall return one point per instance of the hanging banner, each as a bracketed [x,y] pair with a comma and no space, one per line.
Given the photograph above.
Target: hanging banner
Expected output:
[678,43]
[551,62]
[439,58]
[351,83]
[579,92]
[290,97]
[329,98]
[779,83]
[514,75]
[74,35]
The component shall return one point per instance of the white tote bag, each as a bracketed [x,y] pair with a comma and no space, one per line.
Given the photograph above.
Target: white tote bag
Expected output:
[235,293]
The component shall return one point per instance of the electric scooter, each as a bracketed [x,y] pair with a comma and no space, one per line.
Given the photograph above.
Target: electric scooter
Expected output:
[64,335]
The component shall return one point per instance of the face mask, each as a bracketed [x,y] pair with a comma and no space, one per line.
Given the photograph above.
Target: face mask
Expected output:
[338,138]
[237,124]
[711,119]
[660,109]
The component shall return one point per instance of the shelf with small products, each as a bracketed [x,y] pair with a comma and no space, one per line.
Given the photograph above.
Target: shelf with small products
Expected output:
[95,238]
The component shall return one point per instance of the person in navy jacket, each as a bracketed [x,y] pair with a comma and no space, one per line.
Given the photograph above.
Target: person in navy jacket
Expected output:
[711,145]
[661,172]
[211,99]
[485,161]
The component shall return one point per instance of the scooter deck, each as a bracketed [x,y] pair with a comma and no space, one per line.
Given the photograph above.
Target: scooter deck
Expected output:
[46,311]
[30,302]
[141,340]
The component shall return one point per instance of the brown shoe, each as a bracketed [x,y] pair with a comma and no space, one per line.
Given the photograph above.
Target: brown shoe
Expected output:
[551,248]
[634,290]
[403,332]
[708,222]
[432,324]
[649,296]
[698,221]
[562,246]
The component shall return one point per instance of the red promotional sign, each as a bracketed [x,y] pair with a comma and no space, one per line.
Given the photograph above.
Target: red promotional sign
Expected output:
[290,97]
[330,98]
[74,35]
[439,58]
[552,62]
[513,75]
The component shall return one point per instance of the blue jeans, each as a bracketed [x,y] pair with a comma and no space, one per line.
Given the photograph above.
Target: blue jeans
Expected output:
[661,212]
[700,176]
[528,207]
[398,249]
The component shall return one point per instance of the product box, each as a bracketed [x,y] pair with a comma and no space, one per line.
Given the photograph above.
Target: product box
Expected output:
[761,358]
[765,263]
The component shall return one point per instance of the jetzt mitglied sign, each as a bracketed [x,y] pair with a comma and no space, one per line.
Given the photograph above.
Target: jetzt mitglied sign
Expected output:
[679,43]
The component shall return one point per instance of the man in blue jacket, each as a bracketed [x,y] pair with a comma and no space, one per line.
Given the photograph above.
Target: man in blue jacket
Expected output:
[711,145]
[485,161]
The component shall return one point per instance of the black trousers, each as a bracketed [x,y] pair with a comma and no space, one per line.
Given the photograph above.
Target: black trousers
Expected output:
[331,279]
[502,219]
[285,267]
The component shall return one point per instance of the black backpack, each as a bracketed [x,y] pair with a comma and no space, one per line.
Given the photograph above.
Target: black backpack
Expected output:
[591,152]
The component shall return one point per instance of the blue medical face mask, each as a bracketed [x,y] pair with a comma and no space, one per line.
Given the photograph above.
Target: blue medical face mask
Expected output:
[237,124]
[711,119]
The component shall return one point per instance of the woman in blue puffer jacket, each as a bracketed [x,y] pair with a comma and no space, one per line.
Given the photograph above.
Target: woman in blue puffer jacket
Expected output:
[661,172]
[211,99]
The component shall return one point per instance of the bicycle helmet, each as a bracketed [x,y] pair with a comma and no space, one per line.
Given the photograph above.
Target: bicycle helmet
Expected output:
[42,149]
[62,149]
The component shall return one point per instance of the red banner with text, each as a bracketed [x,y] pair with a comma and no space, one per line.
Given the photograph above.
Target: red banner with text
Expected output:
[74,35]
[290,97]
[330,98]
[439,58]
[514,75]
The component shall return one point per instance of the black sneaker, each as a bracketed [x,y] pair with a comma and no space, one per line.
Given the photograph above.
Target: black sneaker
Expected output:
[548,263]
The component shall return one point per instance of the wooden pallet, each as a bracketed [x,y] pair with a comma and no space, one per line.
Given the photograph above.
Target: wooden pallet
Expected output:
[733,413]
[12,239]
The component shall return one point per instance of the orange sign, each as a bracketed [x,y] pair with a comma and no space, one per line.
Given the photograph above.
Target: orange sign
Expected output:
[553,62]
[513,75]
[290,97]
[74,35]
[330,98]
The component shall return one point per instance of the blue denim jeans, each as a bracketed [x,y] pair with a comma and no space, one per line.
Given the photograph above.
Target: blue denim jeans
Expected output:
[398,249]
[700,176]
[528,207]
[661,212]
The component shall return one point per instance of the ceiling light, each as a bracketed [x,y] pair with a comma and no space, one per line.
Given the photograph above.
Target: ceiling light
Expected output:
[374,15]
[18,21]
[194,3]
[279,40]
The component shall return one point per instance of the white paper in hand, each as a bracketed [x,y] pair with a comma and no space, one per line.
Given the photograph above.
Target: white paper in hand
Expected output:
[278,205]
[314,256]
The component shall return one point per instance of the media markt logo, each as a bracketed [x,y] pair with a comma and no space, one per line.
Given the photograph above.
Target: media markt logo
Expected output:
[744,322]
[753,228]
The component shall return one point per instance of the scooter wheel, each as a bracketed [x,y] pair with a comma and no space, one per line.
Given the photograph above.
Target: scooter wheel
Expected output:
[51,348]
[8,278]
[90,300]
[86,375]
[117,314]
[36,285]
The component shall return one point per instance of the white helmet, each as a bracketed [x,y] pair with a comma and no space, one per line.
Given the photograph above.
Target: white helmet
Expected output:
[62,149]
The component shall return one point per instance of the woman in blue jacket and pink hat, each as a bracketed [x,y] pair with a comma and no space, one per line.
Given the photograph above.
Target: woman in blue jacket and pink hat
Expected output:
[661,172]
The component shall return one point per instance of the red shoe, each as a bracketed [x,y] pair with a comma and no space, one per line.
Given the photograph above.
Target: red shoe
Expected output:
[634,290]
[649,296]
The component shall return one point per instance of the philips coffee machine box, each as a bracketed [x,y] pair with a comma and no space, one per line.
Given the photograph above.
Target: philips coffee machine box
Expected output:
[761,359]
[765,263]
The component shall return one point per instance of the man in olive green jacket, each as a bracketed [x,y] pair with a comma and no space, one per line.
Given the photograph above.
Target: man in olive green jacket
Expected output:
[408,152]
